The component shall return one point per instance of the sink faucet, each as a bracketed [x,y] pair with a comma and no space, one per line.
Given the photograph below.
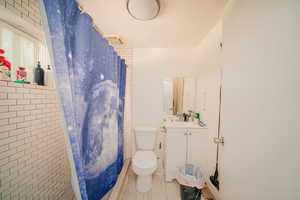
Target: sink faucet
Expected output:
[180,117]
[184,117]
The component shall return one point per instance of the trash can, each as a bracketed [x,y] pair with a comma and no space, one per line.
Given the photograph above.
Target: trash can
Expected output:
[191,182]
[189,193]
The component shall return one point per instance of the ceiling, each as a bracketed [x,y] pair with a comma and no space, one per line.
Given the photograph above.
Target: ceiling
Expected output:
[180,23]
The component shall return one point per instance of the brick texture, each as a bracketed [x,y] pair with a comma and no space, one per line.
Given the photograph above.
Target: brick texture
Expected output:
[33,156]
[29,10]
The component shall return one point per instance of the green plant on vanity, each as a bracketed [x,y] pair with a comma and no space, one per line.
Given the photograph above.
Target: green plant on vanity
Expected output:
[193,114]
[195,117]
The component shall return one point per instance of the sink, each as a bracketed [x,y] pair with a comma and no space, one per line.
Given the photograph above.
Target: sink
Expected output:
[181,124]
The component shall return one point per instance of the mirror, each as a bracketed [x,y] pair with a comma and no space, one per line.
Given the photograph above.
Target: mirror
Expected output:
[179,95]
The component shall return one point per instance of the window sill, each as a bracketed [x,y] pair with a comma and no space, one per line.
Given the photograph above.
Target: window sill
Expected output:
[24,85]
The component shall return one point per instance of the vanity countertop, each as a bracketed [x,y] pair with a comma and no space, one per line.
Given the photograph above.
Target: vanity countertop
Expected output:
[183,125]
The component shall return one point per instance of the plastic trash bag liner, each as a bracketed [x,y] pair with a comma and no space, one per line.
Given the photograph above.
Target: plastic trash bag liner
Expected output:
[191,176]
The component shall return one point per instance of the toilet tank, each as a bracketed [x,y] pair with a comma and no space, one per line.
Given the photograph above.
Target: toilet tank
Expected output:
[145,138]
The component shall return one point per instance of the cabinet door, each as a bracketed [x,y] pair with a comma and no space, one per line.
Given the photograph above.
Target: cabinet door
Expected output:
[176,146]
[198,148]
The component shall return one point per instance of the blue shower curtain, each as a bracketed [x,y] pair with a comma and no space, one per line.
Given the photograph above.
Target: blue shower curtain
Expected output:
[91,82]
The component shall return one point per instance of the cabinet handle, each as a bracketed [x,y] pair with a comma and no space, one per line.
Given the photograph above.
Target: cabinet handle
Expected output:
[219,140]
[163,129]
[188,132]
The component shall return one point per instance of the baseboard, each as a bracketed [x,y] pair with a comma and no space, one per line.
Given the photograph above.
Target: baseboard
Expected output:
[106,197]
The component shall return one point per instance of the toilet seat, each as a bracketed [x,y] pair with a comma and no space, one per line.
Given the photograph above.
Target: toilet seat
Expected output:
[144,163]
[144,159]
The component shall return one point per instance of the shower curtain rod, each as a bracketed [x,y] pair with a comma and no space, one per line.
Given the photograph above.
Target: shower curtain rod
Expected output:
[81,8]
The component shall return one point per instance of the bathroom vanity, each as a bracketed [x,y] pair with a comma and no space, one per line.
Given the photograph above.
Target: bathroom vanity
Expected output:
[185,142]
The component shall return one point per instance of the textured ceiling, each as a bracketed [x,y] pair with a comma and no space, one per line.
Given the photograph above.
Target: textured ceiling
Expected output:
[180,24]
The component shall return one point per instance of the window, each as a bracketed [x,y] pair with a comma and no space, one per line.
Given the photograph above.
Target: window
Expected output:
[20,50]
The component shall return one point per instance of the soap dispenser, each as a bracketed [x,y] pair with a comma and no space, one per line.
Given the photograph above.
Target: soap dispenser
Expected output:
[49,77]
[39,74]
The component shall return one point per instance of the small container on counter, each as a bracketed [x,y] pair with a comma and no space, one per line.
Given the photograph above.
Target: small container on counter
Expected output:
[21,74]
[49,81]
[39,75]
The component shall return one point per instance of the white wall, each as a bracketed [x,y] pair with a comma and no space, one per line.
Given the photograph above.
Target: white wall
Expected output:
[261,101]
[150,68]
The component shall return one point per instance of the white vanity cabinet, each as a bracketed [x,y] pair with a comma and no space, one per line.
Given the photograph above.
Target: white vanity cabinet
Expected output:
[184,145]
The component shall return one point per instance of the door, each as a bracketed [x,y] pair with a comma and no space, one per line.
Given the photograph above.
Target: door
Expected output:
[198,144]
[176,145]
[260,107]
[208,103]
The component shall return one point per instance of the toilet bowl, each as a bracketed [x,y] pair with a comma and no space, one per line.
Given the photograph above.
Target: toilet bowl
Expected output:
[144,163]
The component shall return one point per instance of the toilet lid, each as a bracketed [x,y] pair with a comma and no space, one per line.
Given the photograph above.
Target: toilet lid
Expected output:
[144,159]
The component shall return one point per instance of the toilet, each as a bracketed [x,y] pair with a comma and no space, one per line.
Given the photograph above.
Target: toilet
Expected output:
[144,162]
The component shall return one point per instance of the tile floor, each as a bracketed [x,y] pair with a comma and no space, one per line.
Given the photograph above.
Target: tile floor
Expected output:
[161,190]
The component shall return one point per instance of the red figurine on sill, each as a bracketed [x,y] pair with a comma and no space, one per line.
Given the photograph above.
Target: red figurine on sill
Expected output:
[5,68]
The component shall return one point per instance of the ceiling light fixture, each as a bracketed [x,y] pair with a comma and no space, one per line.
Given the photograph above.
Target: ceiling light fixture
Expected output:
[143,9]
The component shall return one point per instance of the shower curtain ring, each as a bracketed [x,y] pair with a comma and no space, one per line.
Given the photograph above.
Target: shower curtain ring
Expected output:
[80,7]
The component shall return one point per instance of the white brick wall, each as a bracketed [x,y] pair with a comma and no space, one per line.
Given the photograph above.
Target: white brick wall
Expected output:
[33,156]
[27,9]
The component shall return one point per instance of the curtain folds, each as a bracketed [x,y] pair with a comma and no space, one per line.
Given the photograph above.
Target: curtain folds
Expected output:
[91,80]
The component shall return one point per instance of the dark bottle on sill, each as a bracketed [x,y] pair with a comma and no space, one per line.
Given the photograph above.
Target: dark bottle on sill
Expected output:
[39,74]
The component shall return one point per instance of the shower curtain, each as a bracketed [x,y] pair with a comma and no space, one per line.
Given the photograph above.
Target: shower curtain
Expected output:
[90,78]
